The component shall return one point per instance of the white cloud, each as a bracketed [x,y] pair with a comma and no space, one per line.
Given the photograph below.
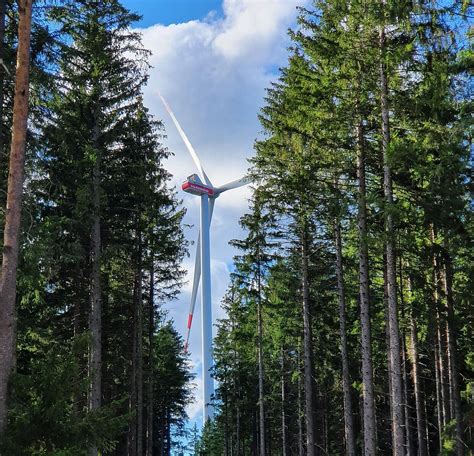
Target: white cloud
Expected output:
[214,74]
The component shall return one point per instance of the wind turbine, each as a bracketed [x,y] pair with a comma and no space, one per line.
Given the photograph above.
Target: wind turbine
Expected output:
[200,185]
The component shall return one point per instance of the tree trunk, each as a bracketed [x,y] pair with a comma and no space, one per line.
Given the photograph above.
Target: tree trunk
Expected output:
[151,331]
[95,320]
[261,394]
[11,239]
[284,448]
[3,12]
[307,348]
[300,411]
[454,375]
[415,362]
[370,436]
[135,368]
[440,343]
[394,349]
[406,406]
[434,339]
[139,303]
[346,381]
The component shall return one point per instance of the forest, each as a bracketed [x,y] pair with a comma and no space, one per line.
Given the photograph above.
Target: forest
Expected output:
[349,316]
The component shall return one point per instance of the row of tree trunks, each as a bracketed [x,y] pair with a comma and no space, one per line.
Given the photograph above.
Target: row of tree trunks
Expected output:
[391,276]
[11,234]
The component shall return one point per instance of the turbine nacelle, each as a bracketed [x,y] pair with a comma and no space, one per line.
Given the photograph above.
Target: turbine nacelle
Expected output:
[194,185]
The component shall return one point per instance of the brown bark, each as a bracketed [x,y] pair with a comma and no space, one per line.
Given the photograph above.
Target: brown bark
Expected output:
[370,439]
[346,381]
[11,234]
[3,10]
[307,348]
[394,349]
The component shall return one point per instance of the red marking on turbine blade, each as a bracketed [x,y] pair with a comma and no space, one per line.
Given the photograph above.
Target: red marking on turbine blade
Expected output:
[185,347]
[190,320]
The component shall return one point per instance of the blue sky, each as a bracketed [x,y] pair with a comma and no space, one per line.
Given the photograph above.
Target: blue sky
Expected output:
[212,60]
[173,11]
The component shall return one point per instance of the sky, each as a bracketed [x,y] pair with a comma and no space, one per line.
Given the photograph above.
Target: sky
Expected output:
[212,60]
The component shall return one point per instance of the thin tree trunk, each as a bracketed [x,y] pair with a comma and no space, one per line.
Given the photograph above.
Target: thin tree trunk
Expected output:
[133,425]
[406,405]
[139,304]
[307,349]
[261,393]
[283,404]
[95,320]
[3,12]
[434,333]
[415,362]
[387,338]
[346,381]
[394,349]
[406,412]
[454,375]
[300,411]
[168,433]
[150,384]
[11,239]
[370,435]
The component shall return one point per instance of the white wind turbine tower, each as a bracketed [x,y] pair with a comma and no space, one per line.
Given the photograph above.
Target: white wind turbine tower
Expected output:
[200,185]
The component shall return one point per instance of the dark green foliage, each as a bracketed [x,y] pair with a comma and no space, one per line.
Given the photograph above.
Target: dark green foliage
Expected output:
[91,133]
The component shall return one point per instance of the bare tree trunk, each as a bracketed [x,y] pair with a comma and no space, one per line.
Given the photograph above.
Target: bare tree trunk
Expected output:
[346,381]
[406,406]
[95,320]
[300,411]
[387,338]
[307,349]
[394,349]
[3,12]
[451,341]
[135,367]
[151,331]
[139,304]
[284,442]
[370,433]
[415,362]
[11,239]
[261,394]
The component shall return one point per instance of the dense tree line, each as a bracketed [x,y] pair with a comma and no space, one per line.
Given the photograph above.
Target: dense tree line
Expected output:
[96,368]
[349,316]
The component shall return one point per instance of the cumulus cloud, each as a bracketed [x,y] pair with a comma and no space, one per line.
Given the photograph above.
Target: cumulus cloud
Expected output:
[214,73]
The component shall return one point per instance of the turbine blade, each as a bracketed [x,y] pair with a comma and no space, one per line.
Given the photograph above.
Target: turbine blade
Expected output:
[196,280]
[234,184]
[186,141]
